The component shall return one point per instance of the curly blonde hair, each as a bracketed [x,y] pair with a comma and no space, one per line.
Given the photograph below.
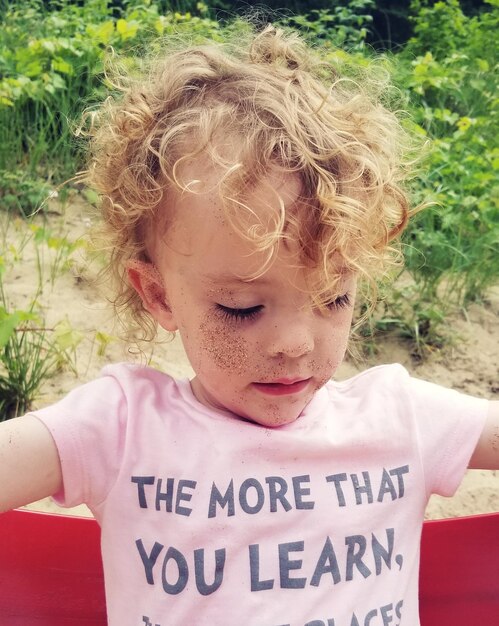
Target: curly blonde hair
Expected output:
[288,108]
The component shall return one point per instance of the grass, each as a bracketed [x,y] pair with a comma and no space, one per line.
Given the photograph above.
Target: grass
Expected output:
[30,350]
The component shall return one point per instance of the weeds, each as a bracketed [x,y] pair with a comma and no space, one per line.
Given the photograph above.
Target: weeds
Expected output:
[449,72]
[31,352]
[27,358]
[22,194]
[51,66]
[60,249]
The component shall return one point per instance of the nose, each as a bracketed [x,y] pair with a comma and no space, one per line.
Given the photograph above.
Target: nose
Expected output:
[291,338]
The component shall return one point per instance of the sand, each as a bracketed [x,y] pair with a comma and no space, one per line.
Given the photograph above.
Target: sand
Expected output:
[471,364]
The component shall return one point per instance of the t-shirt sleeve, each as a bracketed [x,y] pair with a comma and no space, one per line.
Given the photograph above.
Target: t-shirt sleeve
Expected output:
[88,429]
[449,424]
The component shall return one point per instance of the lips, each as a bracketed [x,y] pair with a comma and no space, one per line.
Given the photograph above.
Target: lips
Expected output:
[283,386]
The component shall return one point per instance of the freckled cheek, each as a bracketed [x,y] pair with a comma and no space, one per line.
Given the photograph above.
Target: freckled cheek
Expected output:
[324,363]
[224,347]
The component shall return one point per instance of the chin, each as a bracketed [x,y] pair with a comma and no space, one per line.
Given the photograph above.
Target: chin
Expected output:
[273,419]
[283,422]
[269,414]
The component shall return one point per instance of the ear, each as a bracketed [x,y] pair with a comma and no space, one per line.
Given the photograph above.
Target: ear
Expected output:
[148,283]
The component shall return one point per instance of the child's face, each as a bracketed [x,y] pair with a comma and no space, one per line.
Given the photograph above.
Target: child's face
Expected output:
[258,348]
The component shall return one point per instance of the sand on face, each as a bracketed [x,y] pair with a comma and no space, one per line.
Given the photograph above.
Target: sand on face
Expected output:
[471,366]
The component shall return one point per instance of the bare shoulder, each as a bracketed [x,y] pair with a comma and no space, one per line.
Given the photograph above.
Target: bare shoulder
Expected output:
[486,455]
[29,462]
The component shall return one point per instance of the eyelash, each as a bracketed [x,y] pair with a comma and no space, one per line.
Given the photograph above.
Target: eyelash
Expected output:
[341,302]
[246,315]
[239,315]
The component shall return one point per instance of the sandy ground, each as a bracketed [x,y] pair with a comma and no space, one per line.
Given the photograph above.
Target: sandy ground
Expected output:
[471,365]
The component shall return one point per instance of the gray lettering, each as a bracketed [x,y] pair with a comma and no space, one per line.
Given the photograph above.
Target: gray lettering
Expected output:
[301,491]
[243,496]
[327,563]
[337,479]
[381,553]
[398,608]
[386,613]
[256,583]
[141,481]
[356,550]
[149,561]
[204,588]
[362,489]
[386,486]
[166,496]
[399,473]
[227,500]
[184,497]
[286,565]
[183,572]
[277,490]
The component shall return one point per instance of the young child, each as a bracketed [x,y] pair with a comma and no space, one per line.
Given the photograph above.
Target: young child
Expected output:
[247,190]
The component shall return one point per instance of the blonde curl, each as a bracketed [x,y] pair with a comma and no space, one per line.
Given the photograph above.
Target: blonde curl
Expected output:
[289,108]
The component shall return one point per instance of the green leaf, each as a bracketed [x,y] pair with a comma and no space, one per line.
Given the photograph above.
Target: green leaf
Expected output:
[9,322]
[7,326]
[66,336]
[60,65]
[127,30]
[103,32]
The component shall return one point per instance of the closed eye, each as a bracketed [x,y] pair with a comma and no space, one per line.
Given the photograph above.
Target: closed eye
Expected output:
[341,302]
[239,315]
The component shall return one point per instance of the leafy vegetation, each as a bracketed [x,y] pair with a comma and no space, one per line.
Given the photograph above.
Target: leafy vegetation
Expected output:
[52,67]
[27,358]
[30,351]
[452,250]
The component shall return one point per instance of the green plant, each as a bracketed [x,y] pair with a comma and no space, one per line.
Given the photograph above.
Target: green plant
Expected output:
[31,351]
[418,321]
[341,26]
[22,194]
[58,248]
[48,67]
[451,248]
[26,356]
[26,359]
[52,67]
[459,111]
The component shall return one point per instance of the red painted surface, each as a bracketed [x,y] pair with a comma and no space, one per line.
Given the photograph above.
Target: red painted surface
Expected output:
[51,571]
[459,579]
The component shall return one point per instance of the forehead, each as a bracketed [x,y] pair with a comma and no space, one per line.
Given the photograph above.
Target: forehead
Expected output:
[206,217]
[202,248]
[218,183]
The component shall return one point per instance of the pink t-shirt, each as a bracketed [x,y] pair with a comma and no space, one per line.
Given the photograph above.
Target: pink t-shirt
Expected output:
[211,520]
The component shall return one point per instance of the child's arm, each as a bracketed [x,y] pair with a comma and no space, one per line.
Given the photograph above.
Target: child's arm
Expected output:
[29,463]
[486,455]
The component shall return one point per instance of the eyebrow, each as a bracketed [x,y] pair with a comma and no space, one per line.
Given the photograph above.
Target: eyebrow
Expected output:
[228,278]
